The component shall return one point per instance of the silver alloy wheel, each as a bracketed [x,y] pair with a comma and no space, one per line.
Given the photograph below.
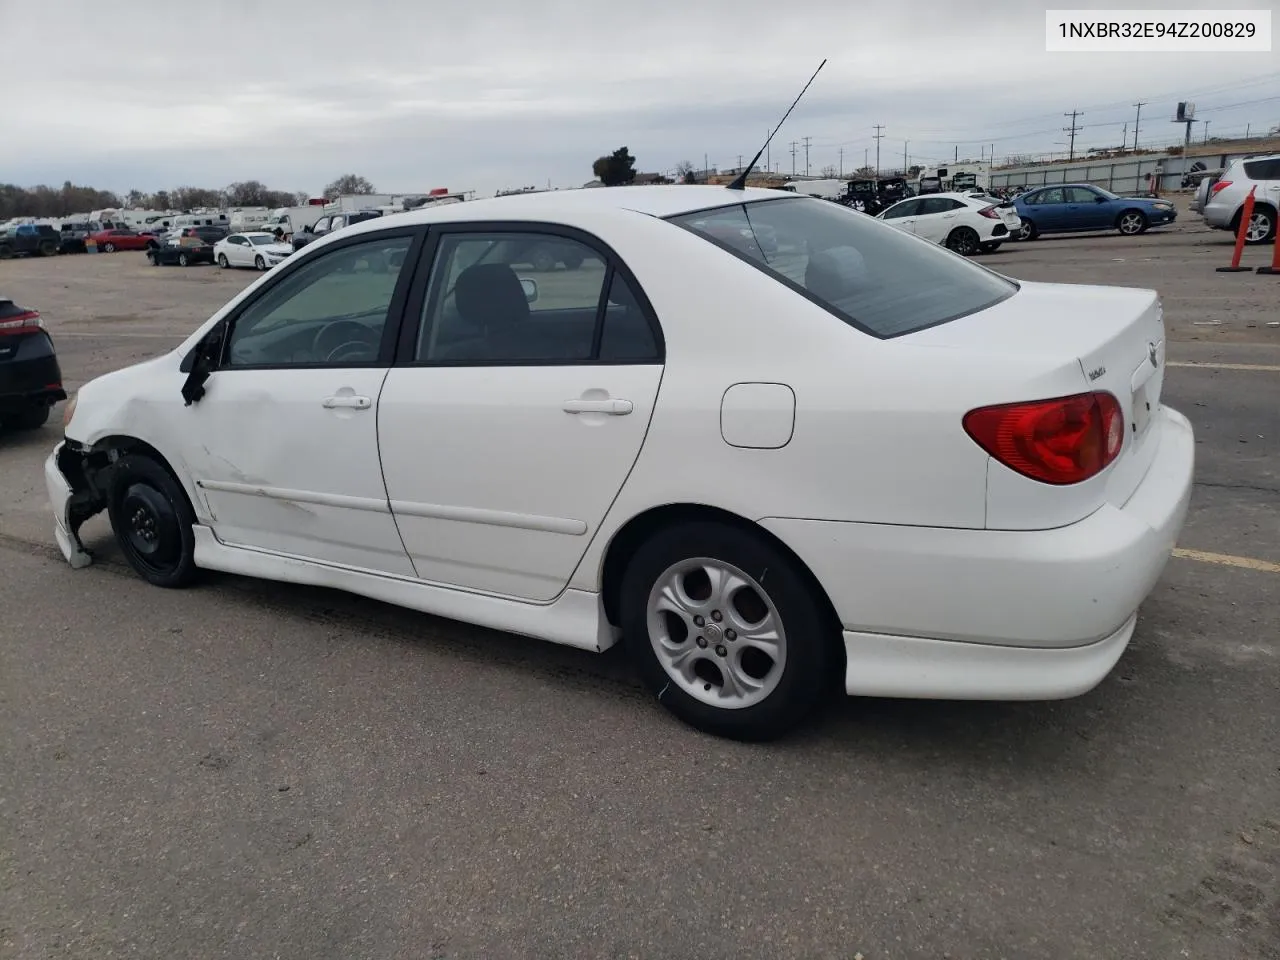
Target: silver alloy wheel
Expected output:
[1259,227]
[1131,223]
[716,633]
[1024,231]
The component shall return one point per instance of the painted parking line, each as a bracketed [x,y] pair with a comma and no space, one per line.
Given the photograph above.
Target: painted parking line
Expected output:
[1227,560]
[1206,365]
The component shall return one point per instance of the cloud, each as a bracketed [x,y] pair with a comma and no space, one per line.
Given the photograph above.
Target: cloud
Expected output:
[415,95]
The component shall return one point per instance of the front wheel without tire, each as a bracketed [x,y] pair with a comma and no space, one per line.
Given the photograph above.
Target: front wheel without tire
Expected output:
[726,631]
[152,520]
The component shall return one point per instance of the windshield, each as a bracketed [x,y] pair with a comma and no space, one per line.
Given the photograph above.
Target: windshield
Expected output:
[262,241]
[871,275]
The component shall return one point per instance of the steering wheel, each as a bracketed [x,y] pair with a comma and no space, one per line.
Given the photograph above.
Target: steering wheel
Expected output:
[344,340]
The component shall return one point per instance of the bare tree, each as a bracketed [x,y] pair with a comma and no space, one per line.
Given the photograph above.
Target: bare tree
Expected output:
[348,183]
[829,171]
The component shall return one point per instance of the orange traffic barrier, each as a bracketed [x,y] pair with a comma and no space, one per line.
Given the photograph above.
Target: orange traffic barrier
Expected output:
[1274,269]
[1245,216]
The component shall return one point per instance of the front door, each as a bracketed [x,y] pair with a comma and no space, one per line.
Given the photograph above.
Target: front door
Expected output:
[283,446]
[519,409]
[936,218]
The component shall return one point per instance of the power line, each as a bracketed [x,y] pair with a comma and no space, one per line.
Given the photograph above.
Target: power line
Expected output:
[879,127]
[1071,131]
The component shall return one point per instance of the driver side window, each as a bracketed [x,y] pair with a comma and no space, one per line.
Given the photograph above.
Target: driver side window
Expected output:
[329,312]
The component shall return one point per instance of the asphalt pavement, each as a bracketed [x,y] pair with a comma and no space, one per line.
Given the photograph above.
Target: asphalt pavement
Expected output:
[249,769]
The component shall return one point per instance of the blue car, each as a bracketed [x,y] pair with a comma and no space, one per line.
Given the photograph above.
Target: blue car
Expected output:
[1074,207]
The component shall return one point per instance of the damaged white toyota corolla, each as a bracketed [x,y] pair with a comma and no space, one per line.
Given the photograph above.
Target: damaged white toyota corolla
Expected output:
[764,440]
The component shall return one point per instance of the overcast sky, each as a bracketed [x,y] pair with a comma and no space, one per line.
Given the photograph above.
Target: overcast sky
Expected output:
[500,93]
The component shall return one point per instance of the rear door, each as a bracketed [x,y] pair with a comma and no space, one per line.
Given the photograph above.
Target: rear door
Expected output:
[517,406]
[937,217]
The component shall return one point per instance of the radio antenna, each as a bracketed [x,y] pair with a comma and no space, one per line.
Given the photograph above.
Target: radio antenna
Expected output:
[740,181]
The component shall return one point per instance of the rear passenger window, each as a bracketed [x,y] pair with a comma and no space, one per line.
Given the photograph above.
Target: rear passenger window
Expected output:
[1263,169]
[512,298]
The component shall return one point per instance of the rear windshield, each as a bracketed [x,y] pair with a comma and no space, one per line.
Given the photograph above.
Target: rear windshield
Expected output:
[872,276]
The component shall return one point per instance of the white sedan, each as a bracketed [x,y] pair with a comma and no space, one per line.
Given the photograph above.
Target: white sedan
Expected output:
[838,456]
[967,223]
[256,249]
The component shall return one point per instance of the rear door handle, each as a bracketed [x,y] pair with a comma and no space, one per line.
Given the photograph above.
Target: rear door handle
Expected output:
[347,400]
[617,408]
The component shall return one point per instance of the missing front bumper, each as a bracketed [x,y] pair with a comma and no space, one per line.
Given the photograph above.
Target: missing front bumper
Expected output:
[73,499]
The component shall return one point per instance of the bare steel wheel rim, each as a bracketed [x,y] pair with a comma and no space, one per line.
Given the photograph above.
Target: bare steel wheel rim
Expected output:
[716,633]
[1259,227]
[1131,223]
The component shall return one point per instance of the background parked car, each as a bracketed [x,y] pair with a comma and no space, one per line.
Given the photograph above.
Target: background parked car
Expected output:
[1074,207]
[109,241]
[1225,201]
[37,240]
[964,222]
[186,246]
[72,237]
[254,249]
[330,223]
[30,378]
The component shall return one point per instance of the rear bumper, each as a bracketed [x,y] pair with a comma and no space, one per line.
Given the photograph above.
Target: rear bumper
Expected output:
[932,611]
[32,377]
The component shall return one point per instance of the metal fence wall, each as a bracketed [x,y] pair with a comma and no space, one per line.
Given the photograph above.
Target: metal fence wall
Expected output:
[1123,175]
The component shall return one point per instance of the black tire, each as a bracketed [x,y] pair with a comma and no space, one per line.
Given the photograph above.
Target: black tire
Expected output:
[964,241]
[259,262]
[223,262]
[48,249]
[808,633]
[183,260]
[152,521]
[32,418]
[1027,231]
[572,260]
[108,248]
[991,246]
[6,251]
[543,259]
[1263,223]
[1132,222]
[153,258]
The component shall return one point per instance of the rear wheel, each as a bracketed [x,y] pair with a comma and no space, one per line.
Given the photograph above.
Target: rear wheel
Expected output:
[152,521]
[1262,226]
[1132,222]
[722,650]
[1028,231]
[964,241]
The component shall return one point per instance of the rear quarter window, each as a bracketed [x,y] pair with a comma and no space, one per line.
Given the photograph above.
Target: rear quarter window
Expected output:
[1268,169]
[870,275]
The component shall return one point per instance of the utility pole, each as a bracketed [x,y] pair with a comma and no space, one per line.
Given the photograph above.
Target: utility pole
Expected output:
[879,127]
[1247,128]
[806,154]
[1206,130]
[793,158]
[1072,130]
[957,157]
[904,157]
[739,162]
[1136,118]
[865,162]
[768,156]
[842,162]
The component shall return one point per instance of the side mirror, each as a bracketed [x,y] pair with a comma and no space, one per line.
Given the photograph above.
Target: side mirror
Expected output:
[204,360]
[530,289]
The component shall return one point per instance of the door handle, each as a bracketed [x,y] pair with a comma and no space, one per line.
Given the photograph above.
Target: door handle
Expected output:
[616,408]
[347,400]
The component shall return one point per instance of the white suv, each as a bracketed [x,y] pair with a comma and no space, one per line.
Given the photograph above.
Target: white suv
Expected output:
[1226,197]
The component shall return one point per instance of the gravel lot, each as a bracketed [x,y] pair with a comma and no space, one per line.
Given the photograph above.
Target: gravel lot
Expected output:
[254,770]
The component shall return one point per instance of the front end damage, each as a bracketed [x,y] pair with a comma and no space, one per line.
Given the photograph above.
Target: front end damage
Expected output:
[77,479]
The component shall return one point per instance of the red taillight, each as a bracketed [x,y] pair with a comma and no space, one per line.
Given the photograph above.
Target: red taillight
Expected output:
[1220,185]
[22,323]
[989,212]
[1059,441]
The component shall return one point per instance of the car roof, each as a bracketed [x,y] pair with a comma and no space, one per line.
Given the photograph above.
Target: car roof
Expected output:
[655,201]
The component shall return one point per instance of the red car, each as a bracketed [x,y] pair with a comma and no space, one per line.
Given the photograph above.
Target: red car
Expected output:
[109,241]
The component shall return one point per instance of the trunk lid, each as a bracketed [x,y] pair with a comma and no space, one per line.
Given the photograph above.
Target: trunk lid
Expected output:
[1117,336]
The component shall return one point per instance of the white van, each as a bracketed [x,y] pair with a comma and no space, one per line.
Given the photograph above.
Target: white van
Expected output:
[201,220]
